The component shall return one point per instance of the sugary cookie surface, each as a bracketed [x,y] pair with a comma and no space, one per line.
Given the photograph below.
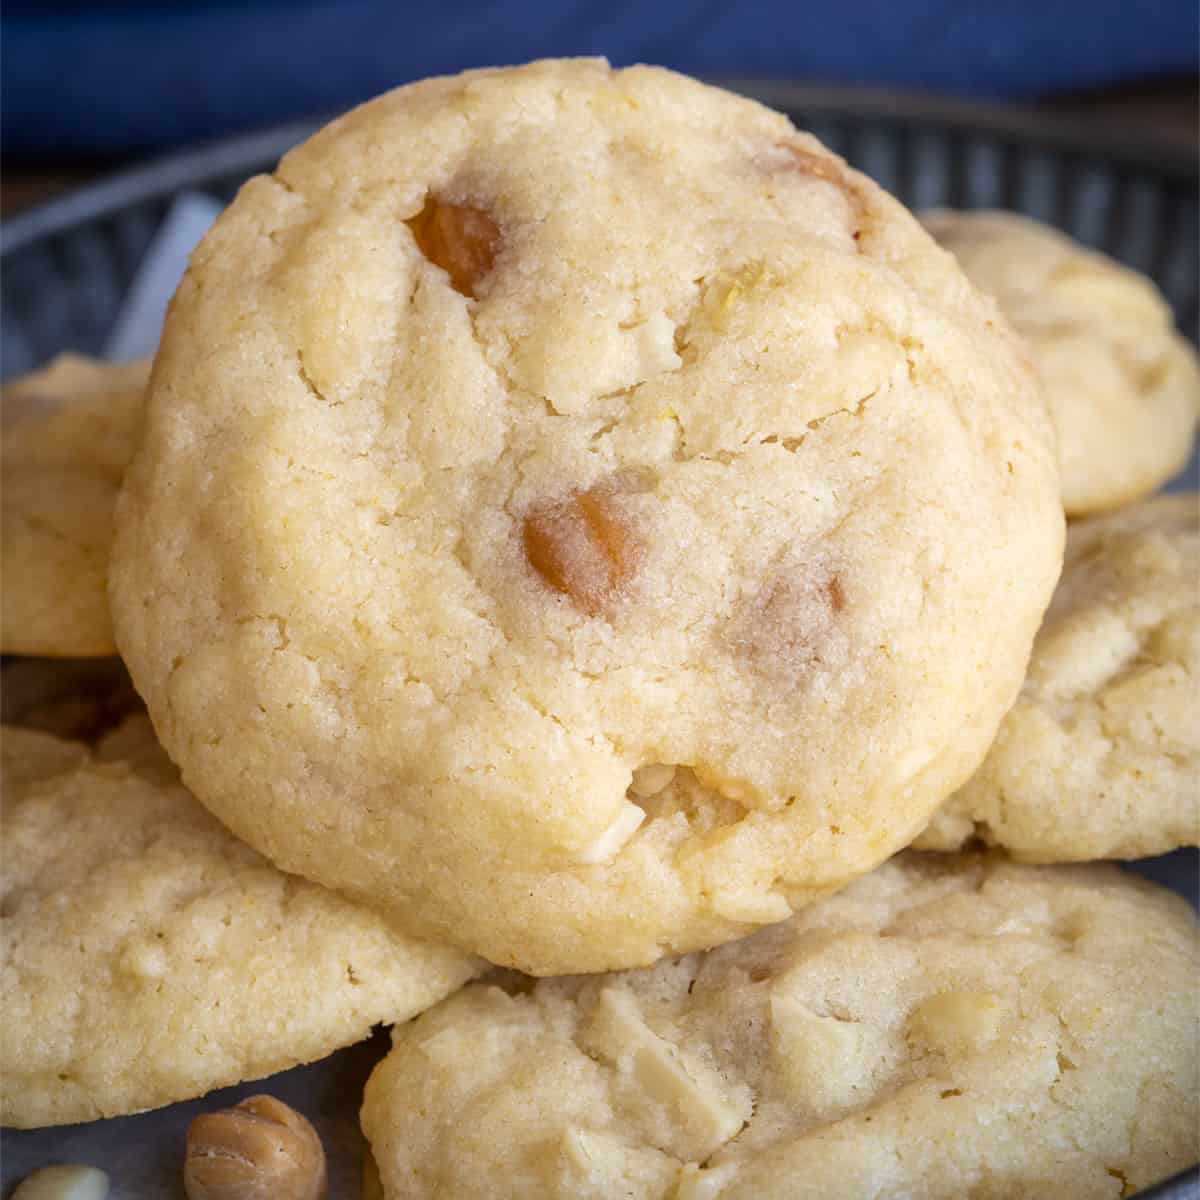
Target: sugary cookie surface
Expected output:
[1124,387]
[1100,755]
[941,1028]
[148,956]
[68,435]
[569,506]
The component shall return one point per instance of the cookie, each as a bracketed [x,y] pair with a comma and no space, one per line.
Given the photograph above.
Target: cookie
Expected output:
[945,1027]
[1123,385]
[1100,755]
[148,956]
[69,432]
[569,503]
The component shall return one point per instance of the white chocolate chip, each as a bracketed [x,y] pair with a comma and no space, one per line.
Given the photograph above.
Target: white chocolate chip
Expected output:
[864,363]
[508,1018]
[63,1183]
[601,1164]
[819,1060]
[686,1089]
[703,1183]
[655,346]
[616,835]
[650,780]
[575,1147]
[909,765]
[956,1022]
[751,908]
[444,1048]
[592,1153]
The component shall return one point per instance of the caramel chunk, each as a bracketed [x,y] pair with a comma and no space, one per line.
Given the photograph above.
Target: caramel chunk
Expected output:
[458,238]
[799,613]
[793,626]
[582,547]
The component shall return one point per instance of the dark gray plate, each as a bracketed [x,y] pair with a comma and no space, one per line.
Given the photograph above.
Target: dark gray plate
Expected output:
[67,265]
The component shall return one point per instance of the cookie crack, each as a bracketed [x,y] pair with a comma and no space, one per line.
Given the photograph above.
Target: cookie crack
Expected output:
[792,444]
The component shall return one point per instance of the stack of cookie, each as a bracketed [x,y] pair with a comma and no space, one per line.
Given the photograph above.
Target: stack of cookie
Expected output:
[582,528]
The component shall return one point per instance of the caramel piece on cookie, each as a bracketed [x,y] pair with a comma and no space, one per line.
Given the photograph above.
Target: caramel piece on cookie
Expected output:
[459,238]
[582,547]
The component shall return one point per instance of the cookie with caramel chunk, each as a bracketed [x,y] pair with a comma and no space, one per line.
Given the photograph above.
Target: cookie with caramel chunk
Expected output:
[946,1027]
[580,514]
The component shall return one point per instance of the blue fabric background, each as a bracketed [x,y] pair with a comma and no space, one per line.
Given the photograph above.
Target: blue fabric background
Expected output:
[128,77]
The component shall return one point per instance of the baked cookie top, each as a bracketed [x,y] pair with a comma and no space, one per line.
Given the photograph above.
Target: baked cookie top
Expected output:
[1124,387]
[534,437]
[1100,755]
[148,956]
[68,435]
[945,1027]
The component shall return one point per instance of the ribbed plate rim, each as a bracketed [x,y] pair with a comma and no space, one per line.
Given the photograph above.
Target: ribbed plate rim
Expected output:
[197,165]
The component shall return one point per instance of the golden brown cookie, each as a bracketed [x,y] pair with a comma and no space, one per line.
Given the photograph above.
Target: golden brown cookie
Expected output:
[569,503]
[1124,387]
[1100,755]
[148,956]
[945,1027]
